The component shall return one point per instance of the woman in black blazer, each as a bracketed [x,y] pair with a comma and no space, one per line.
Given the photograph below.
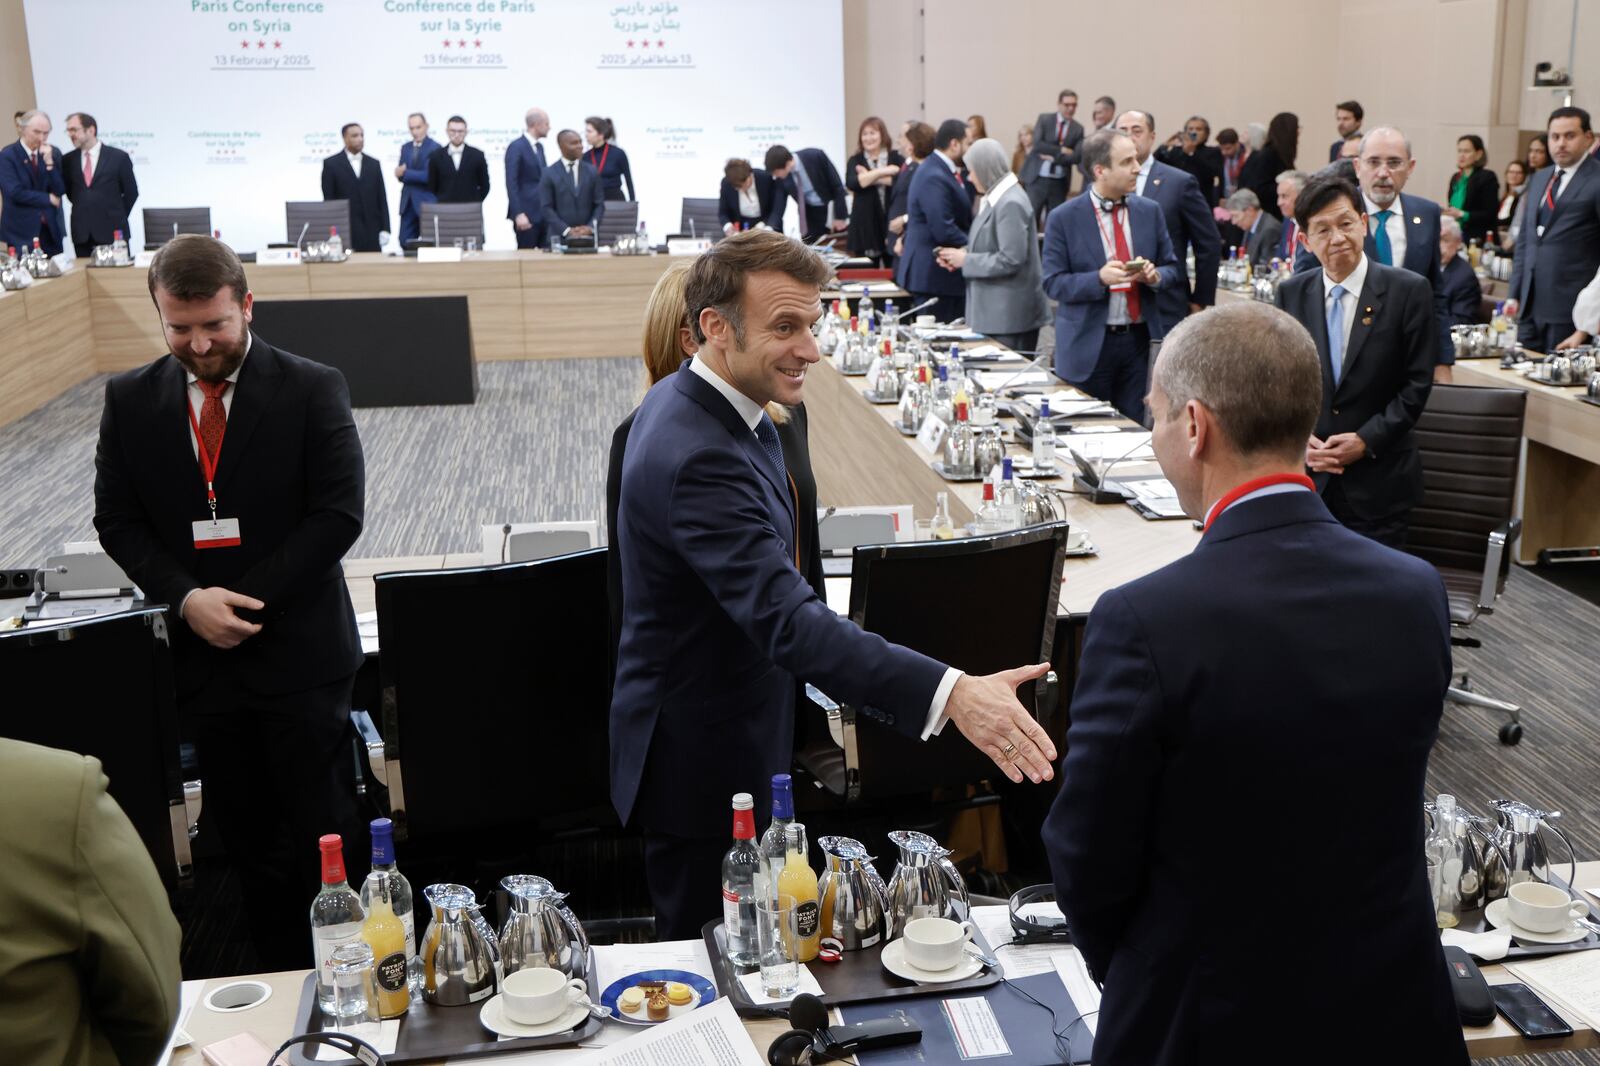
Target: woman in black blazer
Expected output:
[1261,170]
[869,175]
[1474,198]
[667,343]
[607,158]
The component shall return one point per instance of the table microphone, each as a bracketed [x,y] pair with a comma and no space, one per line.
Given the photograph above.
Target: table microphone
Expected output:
[298,240]
[809,1017]
[436,231]
[1097,490]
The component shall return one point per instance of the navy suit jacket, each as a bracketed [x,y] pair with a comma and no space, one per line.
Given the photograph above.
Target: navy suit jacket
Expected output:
[369,200]
[717,623]
[25,194]
[939,216]
[525,180]
[1219,689]
[1463,296]
[825,180]
[1388,373]
[565,206]
[1189,225]
[770,195]
[1549,271]
[99,210]
[1073,256]
[414,190]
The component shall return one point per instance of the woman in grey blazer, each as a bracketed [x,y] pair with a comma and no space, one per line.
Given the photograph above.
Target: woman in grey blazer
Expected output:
[1005,287]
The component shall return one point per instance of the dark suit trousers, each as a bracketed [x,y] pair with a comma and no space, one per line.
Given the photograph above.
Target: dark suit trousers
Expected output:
[1390,531]
[278,773]
[1122,375]
[944,308]
[1047,194]
[410,224]
[84,249]
[684,875]
[1542,336]
[532,237]
[816,220]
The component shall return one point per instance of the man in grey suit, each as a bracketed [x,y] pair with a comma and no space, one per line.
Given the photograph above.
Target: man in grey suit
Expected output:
[1005,287]
[1558,247]
[1047,171]
[1261,231]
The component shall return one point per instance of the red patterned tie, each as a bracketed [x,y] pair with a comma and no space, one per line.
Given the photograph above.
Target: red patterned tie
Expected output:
[1123,255]
[213,417]
[88,169]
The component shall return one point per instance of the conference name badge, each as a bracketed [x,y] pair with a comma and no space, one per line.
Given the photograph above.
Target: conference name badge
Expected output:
[216,533]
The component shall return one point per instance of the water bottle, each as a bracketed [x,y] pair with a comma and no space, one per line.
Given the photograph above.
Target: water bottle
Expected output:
[119,248]
[1044,441]
[335,243]
[739,869]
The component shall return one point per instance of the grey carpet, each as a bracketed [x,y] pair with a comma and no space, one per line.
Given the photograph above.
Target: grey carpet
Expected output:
[534,449]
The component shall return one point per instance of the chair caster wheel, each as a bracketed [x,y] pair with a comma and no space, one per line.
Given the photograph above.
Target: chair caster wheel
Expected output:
[1511,733]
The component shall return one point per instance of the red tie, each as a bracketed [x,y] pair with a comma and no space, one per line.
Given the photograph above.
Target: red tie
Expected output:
[1061,129]
[213,417]
[1123,255]
[88,169]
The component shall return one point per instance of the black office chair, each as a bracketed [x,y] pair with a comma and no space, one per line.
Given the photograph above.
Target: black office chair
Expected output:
[700,219]
[981,604]
[161,224]
[104,687]
[452,221]
[620,220]
[314,218]
[1469,440]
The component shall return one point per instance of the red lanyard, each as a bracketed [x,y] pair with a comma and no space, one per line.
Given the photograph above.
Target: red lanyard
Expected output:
[208,463]
[1251,486]
[600,166]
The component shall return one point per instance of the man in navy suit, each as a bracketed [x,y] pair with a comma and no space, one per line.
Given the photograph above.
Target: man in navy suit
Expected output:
[353,176]
[1106,256]
[31,188]
[1463,294]
[100,184]
[412,171]
[717,621]
[939,214]
[1377,334]
[1223,683]
[1558,247]
[525,167]
[749,198]
[1188,217]
[573,197]
[813,182]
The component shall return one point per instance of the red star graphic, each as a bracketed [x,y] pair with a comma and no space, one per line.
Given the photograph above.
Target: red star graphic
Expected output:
[447,44]
[277,44]
[461,44]
[261,44]
[661,44]
[244,44]
[477,44]
[644,44]
[630,44]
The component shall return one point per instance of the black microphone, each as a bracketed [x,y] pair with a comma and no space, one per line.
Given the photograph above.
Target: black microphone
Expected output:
[505,540]
[808,1015]
[1099,490]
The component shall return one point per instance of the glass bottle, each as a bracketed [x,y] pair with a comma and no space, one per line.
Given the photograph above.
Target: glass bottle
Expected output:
[1044,441]
[1006,497]
[400,898]
[335,243]
[1445,861]
[739,868]
[799,881]
[914,400]
[864,306]
[987,519]
[943,397]
[336,916]
[390,945]
[119,247]
[959,446]
[943,527]
[774,841]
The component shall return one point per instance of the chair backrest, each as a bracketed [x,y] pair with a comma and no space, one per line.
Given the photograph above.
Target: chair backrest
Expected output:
[703,213]
[931,597]
[314,217]
[620,220]
[1469,440]
[162,223]
[455,220]
[104,687]
[496,693]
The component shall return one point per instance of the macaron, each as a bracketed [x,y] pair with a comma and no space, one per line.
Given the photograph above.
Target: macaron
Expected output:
[678,994]
[631,1000]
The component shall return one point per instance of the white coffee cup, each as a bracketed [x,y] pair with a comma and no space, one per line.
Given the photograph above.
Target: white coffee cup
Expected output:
[936,944]
[926,320]
[1541,908]
[540,994]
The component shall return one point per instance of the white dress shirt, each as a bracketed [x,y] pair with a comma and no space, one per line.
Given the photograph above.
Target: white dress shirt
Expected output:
[1266,490]
[750,413]
[1352,296]
[455,154]
[1144,173]
[355,162]
[1396,227]
[1117,313]
[533,142]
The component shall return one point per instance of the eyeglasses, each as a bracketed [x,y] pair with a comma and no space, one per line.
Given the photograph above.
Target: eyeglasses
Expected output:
[1392,163]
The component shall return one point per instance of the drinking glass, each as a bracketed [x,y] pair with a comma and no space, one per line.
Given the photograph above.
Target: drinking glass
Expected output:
[472,245]
[355,983]
[924,528]
[778,940]
[1093,452]
[460,243]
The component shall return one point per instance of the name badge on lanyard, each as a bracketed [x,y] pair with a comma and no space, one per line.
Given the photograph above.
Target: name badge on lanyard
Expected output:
[213,532]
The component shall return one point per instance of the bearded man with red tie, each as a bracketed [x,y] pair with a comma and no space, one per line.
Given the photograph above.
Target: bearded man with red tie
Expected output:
[100,185]
[31,188]
[229,482]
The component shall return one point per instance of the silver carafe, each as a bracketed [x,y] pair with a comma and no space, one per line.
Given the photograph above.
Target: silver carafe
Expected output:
[926,884]
[989,448]
[460,954]
[1521,850]
[541,929]
[854,898]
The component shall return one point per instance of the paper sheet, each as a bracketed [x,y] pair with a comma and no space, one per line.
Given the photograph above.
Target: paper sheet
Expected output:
[1571,982]
[188,995]
[999,379]
[1028,960]
[710,1036]
[381,1035]
[1081,989]
[976,1030]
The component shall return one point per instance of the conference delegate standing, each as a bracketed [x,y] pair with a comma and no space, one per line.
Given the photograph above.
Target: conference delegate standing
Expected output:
[1474,192]
[525,167]
[1558,248]
[31,188]
[1275,156]
[1005,293]
[939,213]
[412,171]
[352,176]
[458,172]
[869,175]
[570,191]
[1188,218]
[229,483]
[812,181]
[918,142]
[608,158]
[718,624]
[1047,173]
[749,198]
[100,186]
[1106,255]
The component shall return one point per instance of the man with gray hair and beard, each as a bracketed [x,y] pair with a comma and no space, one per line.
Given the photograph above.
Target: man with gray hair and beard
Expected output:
[1223,682]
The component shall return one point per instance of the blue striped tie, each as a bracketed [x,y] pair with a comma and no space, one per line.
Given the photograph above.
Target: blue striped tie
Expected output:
[1336,331]
[767,434]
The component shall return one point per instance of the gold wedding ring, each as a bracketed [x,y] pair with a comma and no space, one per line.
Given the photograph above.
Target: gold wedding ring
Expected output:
[1009,751]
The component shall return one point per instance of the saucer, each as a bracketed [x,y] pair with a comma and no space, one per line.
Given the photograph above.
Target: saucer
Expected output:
[1497,915]
[493,1017]
[894,960]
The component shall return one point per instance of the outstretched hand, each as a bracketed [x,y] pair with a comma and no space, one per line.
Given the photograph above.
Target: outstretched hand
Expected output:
[988,714]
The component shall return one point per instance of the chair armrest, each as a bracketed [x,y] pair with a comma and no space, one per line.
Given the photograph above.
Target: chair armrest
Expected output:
[1497,563]
[370,740]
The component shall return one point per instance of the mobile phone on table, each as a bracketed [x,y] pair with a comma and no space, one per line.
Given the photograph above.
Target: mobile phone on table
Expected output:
[1527,1012]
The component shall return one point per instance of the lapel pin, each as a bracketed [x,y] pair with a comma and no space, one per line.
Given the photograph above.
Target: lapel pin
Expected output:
[1367,321]
[1158,181]
[1416,220]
